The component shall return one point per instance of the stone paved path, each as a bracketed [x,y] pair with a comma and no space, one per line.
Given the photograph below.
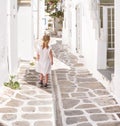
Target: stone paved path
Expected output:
[80,99]
[73,98]
[29,106]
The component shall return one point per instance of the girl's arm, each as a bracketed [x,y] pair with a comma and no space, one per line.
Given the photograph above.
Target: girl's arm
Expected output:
[38,54]
[51,57]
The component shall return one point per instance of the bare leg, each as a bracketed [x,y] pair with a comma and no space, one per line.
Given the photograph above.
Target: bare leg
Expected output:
[46,80]
[41,80]
[41,77]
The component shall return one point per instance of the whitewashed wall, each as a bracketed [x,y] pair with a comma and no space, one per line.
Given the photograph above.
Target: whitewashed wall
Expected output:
[25,41]
[94,45]
[38,22]
[34,17]
[67,24]
[38,18]
[8,39]
[12,36]
[3,42]
[72,34]
[117,50]
[89,35]
[74,5]
[42,18]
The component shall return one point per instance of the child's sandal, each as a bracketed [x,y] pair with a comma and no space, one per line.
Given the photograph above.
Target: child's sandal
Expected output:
[46,85]
[41,83]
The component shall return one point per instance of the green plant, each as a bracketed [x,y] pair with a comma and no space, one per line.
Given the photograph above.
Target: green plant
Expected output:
[57,14]
[49,25]
[52,8]
[32,63]
[51,5]
[13,84]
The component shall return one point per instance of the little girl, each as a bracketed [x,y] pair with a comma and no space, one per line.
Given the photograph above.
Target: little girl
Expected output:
[45,60]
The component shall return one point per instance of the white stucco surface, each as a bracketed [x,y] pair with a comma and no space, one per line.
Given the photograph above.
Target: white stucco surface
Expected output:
[3,42]
[25,43]
[93,38]
[117,51]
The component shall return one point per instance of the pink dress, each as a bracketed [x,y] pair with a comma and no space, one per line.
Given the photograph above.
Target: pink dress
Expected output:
[44,64]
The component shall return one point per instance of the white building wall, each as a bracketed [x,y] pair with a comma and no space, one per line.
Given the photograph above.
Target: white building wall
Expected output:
[117,50]
[93,41]
[102,44]
[74,5]
[12,36]
[89,36]
[42,18]
[38,18]
[38,22]
[3,42]
[73,27]
[25,37]
[8,39]
[34,4]
[94,44]
[67,24]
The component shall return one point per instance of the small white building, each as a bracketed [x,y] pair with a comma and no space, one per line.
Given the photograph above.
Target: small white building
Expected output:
[88,29]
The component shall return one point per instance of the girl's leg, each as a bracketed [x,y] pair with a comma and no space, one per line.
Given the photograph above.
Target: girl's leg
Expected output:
[41,79]
[46,80]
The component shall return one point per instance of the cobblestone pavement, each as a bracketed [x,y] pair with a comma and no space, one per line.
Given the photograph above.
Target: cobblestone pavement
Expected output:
[74,97]
[29,106]
[80,99]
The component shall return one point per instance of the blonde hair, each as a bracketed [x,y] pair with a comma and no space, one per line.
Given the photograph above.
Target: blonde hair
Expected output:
[46,39]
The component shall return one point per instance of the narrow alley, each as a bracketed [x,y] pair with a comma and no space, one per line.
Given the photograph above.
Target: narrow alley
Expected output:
[83,88]
[73,98]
